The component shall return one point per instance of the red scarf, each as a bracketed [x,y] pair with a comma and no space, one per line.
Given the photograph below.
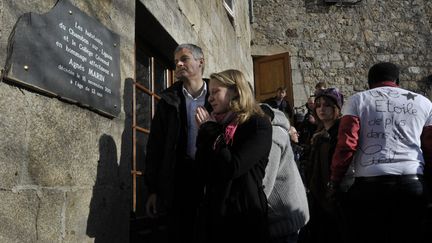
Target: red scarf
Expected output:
[229,120]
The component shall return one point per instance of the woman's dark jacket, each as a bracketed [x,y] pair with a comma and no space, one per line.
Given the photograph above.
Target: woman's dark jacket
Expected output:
[234,205]
[167,143]
[318,170]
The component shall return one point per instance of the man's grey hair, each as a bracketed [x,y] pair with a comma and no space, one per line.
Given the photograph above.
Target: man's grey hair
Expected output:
[197,52]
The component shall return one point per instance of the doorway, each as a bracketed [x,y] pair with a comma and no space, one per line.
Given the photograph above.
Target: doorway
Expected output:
[154,67]
[272,72]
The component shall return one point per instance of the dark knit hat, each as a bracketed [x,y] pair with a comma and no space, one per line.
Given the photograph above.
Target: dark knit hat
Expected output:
[332,93]
[383,71]
[267,110]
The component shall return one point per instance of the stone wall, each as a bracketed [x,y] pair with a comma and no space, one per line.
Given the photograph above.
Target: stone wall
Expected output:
[226,45]
[64,170]
[338,43]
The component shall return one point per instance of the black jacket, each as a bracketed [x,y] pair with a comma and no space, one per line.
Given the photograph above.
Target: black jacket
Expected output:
[318,170]
[167,142]
[235,205]
[284,106]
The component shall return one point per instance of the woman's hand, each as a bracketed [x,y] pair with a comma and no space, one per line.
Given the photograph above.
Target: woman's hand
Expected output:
[202,116]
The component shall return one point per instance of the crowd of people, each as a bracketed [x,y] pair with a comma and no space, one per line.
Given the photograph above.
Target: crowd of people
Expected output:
[226,168]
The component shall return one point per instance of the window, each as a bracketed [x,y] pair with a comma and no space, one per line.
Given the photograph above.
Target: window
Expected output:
[154,67]
[229,7]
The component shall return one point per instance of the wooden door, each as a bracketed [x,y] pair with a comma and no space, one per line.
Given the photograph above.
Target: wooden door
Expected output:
[272,72]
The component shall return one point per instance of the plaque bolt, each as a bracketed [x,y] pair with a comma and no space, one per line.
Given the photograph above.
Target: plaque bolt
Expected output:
[70,12]
[26,67]
[115,106]
[115,44]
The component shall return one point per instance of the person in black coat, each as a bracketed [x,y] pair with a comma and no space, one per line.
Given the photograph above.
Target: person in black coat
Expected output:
[279,102]
[326,224]
[233,146]
[169,164]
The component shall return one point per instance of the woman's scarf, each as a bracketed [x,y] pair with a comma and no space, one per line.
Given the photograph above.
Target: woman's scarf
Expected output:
[230,123]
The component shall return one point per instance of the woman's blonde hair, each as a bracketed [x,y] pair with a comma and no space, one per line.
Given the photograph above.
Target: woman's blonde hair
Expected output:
[243,103]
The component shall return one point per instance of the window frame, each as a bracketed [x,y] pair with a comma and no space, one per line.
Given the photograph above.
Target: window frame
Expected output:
[230,9]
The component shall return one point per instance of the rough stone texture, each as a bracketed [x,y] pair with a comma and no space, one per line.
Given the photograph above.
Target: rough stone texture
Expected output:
[76,215]
[206,23]
[13,137]
[59,144]
[50,225]
[18,214]
[56,157]
[338,44]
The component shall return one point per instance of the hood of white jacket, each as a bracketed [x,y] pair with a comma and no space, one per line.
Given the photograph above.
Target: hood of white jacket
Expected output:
[280,120]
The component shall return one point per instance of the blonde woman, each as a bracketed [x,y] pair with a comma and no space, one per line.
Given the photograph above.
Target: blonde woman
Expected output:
[233,146]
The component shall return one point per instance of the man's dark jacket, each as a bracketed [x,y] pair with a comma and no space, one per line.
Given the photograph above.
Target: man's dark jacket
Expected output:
[167,142]
[284,106]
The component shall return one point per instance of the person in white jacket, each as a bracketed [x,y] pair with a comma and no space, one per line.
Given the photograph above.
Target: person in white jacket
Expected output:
[283,186]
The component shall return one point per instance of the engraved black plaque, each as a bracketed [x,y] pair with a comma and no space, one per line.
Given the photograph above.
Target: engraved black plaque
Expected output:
[67,54]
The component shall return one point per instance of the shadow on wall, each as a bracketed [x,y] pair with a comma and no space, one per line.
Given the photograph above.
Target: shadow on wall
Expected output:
[108,220]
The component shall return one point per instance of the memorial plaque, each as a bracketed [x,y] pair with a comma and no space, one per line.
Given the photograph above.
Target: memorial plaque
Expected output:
[67,54]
